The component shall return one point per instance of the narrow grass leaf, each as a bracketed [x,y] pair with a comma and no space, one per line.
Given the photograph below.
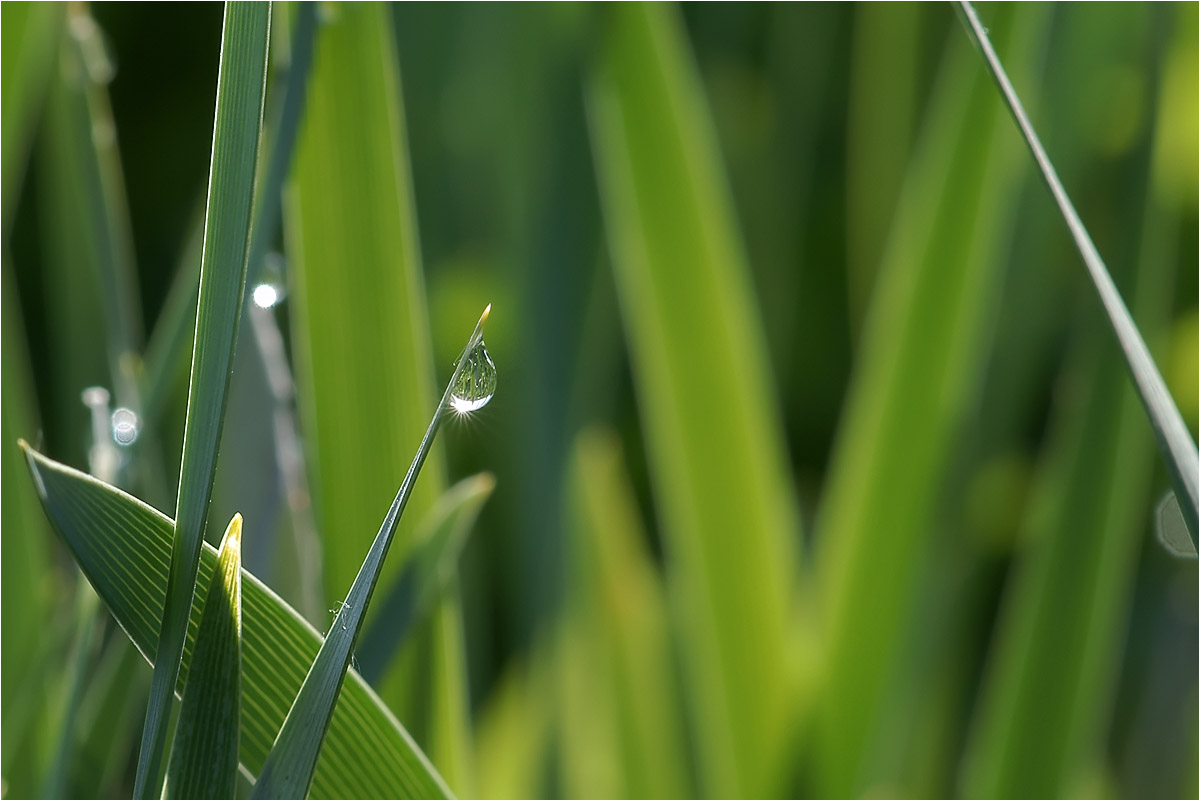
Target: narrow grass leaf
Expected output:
[618,604]
[26,573]
[431,567]
[1178,448]
[289,768]
[361,340]
[710,417]
[123,547]
[915,373]
[237,128]
[30,32]
[204,756]
[1040,726]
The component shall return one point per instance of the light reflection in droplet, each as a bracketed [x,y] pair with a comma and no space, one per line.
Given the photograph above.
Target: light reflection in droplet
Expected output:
[125,426]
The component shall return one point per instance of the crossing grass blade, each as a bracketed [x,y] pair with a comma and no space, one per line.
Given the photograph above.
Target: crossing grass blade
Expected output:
[914,377]
[1178,448]
[709,413]
[123,547]
[204,756]
[289,769]
[236,132]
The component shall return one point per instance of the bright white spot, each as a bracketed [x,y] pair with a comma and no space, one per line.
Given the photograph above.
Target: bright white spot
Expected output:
[124,427]
[95,396]
[466,405]
[265,296]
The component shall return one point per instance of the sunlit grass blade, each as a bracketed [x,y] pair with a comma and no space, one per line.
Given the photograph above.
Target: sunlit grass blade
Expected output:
[360,340]
[513,738]
[431,567]
[711,420]
[30,34]
[289,768]
[236,131]
[618,621]
[916,370]
[123,547]
[204,755]
[1176,443]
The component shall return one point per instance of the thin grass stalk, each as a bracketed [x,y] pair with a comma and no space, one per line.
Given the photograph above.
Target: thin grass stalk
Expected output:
[1178,449]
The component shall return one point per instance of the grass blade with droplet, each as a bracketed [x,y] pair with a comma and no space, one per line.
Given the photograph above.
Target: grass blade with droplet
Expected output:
[289,768]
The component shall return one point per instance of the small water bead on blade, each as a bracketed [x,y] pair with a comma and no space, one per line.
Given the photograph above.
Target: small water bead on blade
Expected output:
[125,425]
[476,384]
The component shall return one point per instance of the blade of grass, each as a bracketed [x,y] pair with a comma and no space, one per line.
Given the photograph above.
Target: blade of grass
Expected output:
[431,567]
[362,347]
[26,575]
[916,370]
[168,346]
[709,414]
[236,131]
[1178,448]
[289,768]
[123,547]
[30,32]
[1041,724]
[619,603]
[204,755]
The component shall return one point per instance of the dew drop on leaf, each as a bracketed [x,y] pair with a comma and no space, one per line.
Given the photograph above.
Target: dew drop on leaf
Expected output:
[476,383]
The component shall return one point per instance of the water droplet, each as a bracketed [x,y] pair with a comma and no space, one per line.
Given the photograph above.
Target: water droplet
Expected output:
[266,295]
[125,426]
[476,383]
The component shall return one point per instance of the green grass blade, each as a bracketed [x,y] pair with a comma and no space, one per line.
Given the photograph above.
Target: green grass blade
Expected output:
[1178,448]
[619,607]
[364,369]
[236,132]
[30,34]
[204,756]
[289,769]
[26,577]
[431,566]
[123,547]
[712,426]
[916,370]
[1040,727]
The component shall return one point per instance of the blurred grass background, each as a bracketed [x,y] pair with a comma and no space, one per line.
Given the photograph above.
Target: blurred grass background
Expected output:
[811,228]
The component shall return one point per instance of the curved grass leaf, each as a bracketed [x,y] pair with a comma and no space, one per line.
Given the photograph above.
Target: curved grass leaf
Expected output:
[430,569]
[241,85]
[123,547]
[1171,529]
[1178,449]
[204,756]
[290,765]
[711,421]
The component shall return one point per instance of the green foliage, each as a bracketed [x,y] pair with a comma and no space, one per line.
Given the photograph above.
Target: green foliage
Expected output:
[814,468]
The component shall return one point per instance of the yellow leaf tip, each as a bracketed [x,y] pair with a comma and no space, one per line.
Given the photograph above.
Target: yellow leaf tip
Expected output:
[486,312]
